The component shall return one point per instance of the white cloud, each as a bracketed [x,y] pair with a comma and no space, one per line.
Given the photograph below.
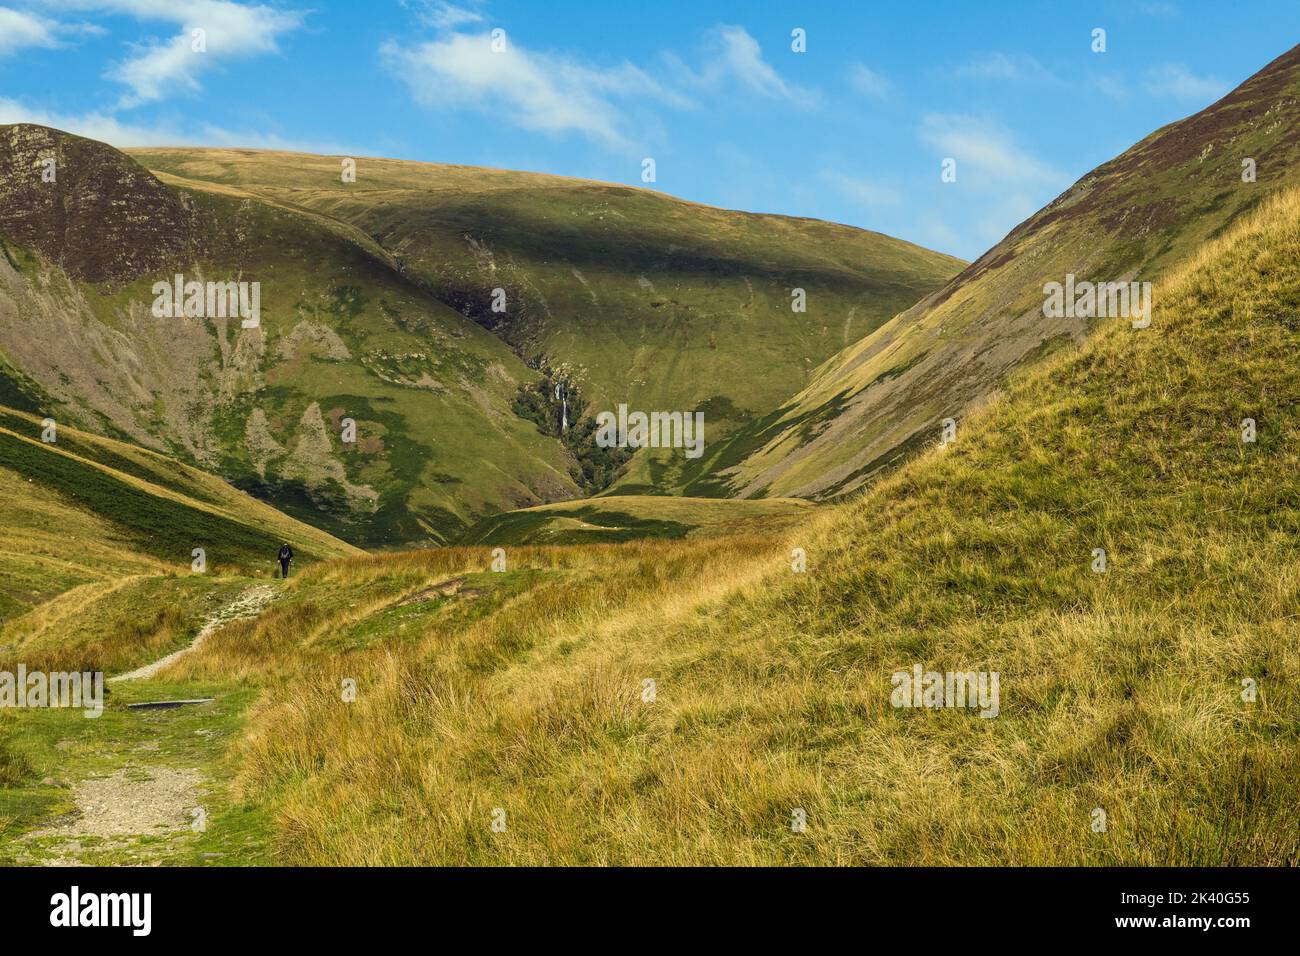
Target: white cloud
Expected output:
[987,148]
[868,82]
[734,60]
[1166,11]
[558,93]
[936,234]
[159,67]
[1001,184]
[1109,86]
[1174,79]
[536,91]
[92,125]
[736,56]
[742,58]
[19,30]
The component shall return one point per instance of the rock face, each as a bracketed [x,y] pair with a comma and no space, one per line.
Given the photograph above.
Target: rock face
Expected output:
[96,212]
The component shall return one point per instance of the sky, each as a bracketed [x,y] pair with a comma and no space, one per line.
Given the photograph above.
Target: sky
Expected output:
[854,128]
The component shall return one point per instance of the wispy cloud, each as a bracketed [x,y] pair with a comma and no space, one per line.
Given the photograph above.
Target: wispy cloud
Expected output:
[442,15]
[558,93]
[1110,86]
[988,148]
[1165,11]
[1007,181]
[867,82]
[1174,79]
[109,129]
[1013,67]
[19,30]
[861,190]
[734,60]
[157,68]
[741,58]
[544,92]
[94,125]
[937,234]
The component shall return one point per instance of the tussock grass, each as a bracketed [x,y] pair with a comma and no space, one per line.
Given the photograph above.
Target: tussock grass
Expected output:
[115,626]
[1119,691]
[524,690]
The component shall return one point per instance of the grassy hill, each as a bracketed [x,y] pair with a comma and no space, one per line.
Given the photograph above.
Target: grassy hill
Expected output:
[639,297]
[343,336]
[612,518]
[376,307]
[1122,691]
[1134,218]
[87,510]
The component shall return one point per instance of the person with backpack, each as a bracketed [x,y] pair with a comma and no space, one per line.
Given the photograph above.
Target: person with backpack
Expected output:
[285,556]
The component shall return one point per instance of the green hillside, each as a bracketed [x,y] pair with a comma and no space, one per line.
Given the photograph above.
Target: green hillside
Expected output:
[376,308]
[631,677]
[638,297]
[342,336]
[1132,219]
[1160,692]
[86,509]
[1119,690]
[626,517]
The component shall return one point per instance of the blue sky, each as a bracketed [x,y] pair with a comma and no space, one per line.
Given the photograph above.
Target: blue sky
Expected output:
[854,129]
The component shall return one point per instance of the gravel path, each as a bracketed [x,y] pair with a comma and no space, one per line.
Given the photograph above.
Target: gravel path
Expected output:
[249,604]
[155,801]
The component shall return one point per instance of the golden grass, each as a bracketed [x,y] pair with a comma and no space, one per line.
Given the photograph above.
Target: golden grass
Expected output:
[1119,691]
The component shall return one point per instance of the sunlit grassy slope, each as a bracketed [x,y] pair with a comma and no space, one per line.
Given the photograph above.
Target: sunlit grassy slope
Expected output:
[1133,218]
[91,511]
[526,691]
[625,517]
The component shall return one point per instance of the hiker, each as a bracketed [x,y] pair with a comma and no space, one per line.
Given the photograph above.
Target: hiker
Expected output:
[285,556]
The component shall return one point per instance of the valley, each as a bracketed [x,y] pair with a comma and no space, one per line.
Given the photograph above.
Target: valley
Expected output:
[512,637]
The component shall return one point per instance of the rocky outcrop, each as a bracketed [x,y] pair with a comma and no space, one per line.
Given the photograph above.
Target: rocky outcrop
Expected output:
[86,206]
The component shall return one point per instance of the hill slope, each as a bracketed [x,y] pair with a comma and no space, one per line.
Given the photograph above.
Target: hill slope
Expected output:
[86,509]
[624,517]
[1123,691]
[660,300]
[342,336]
[645,299]
[1133,218]
[375,298]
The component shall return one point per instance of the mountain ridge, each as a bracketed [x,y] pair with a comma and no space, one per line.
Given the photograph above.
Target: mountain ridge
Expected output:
[1135,217]
[376,299]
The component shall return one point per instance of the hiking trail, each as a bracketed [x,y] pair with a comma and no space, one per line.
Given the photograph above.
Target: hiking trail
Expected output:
[249,604]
